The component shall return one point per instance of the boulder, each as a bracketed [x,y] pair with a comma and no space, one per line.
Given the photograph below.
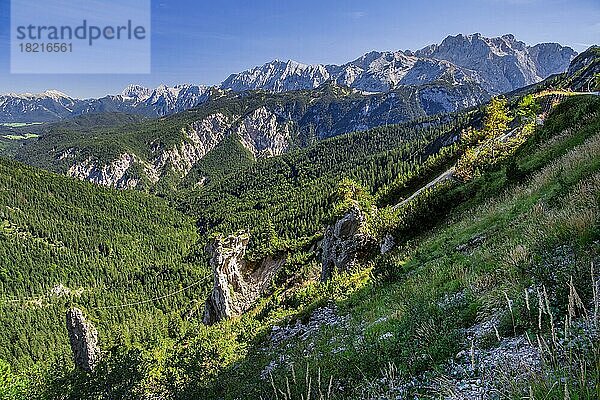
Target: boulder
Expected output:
[345,243]
[387,244]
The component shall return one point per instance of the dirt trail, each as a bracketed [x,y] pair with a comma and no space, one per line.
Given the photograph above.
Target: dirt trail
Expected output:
[449,174]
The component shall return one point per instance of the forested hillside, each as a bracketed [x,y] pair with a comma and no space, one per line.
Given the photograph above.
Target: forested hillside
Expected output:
[64,241]
[156,154]
[449,256]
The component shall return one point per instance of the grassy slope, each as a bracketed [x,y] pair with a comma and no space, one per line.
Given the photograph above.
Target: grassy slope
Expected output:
[554,201]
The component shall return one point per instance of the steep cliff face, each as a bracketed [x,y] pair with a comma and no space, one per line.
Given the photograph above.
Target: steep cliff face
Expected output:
[264,134]
[551,58]
[375,71]
[113,174]
[345,242]
[503,63]
[428,70]
[84,340]
[237,283]
[200,137]
[444,99]
[230,289]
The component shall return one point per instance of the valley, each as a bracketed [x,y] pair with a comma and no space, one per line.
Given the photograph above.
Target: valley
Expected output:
[310,231]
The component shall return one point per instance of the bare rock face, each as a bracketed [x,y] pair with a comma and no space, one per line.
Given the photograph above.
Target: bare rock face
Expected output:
[237,282]
[113,174]
[200,138]
[263,134]
[84,340]
[345,243]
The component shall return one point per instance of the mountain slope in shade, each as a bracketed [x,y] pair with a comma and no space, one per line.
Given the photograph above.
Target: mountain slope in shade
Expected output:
[583,72]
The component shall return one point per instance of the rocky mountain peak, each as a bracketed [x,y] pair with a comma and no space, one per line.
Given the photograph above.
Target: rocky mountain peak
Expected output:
[500,64]
[55,94]
[136,91]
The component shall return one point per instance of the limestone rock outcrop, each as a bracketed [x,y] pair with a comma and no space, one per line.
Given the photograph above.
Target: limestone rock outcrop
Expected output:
[84,340]
[238,283]
[345,243]
[113,174]
[263,134]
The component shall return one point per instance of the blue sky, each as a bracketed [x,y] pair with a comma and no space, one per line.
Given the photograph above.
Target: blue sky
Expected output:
[202,42]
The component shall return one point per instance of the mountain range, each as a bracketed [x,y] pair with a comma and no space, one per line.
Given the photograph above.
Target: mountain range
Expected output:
[52,105]
[413,260]
[498,64]
[125,151]
[490,65]
[140,153]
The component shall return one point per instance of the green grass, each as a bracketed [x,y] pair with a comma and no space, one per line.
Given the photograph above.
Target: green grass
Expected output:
[522,223]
